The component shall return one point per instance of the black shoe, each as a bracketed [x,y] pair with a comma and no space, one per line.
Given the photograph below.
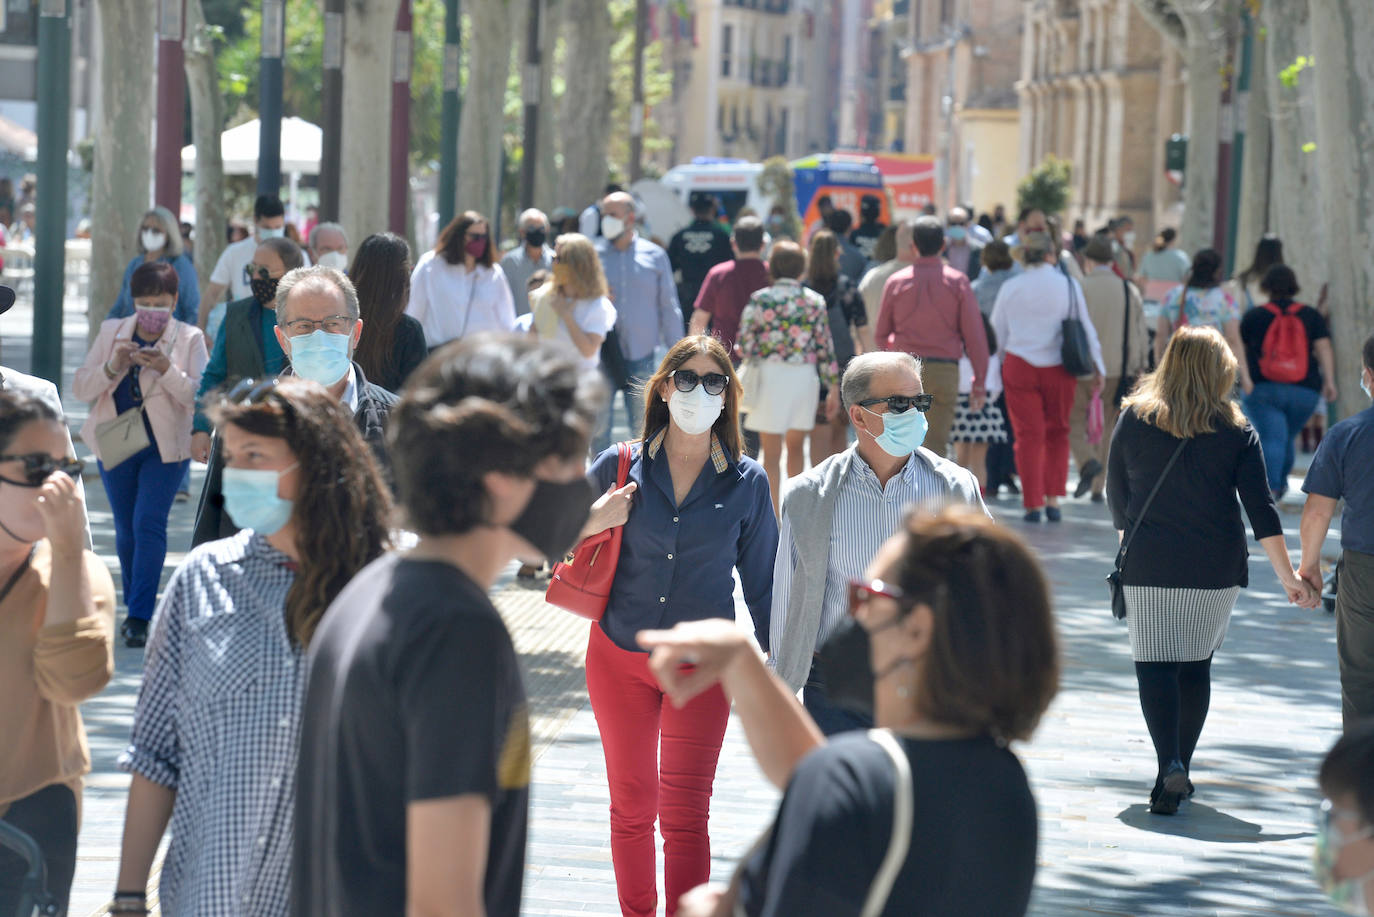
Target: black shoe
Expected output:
[1086,475]
[183,496]
[1011,486]
[1172,790]
[135,632]
[1032,515]
[1053,514]
[1099,498]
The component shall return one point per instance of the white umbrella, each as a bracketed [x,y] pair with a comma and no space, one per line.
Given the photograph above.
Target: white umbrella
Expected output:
[301,143]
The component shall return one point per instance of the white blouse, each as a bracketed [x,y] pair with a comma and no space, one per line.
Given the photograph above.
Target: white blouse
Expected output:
[451,302]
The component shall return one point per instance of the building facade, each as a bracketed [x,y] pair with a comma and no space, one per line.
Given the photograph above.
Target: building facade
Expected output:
[963,61]
[752,81]
[1102,89]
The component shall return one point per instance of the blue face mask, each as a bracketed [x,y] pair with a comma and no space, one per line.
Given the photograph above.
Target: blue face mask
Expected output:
[902,433]
[250,498]
[320,356]
[956,233]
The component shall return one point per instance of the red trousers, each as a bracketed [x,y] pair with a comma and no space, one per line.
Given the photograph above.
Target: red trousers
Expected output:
[636,719]
[1039,404]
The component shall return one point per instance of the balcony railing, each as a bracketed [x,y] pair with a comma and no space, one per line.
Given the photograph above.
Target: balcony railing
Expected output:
[763,6]
[769,74]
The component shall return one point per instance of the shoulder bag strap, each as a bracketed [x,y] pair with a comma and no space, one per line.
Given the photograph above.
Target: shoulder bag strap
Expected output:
[1126,329]
[1121,554]
[903,815]
[623,470]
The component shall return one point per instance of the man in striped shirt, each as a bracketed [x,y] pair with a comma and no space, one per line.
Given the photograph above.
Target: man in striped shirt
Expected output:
[837,515]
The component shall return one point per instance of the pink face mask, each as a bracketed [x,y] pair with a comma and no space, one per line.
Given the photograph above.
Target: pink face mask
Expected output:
[476,247]
[152,321]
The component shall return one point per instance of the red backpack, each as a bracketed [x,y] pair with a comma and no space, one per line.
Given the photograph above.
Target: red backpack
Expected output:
[1285,350]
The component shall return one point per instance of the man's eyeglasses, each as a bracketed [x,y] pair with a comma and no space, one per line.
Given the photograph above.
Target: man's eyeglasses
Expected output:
[38,466]
[685,380]
[900,404]
[334,324]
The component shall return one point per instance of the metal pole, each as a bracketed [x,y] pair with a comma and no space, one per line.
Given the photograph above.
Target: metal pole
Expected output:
[453,110]
[1238,148]
[171,105]
[269,97]
[1226,129]
[400,120]
[637,107]
[49,263]
[530,83]
[332,120]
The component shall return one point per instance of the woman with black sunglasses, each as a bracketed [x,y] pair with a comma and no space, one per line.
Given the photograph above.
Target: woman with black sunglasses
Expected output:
[56,640]
[695,510]
[213,748]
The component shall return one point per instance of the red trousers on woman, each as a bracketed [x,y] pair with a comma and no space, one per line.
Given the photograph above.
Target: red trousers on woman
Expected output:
[1039,404]
[635,718]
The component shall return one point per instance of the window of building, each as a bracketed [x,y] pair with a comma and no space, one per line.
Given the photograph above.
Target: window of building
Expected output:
[727,35]
[946,11]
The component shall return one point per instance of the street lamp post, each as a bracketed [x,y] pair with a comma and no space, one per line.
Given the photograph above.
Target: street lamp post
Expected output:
[400,120]
[530,83]
[453,109]
[331,124]
[269,96]
[637,108]
[171,105]
[49,264]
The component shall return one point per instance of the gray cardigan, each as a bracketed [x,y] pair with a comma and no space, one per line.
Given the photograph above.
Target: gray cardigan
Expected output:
[809,503]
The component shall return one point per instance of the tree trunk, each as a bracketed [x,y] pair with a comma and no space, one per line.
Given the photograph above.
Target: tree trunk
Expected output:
[495,25]
[1253,218]
[585,109]
[546,169]
[366,135]
[1203,60]
[120,191]
[1295,186]
[207,120]
[1345,151]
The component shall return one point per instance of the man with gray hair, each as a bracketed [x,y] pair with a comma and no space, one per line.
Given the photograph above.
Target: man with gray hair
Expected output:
[837,515]
[318,329]
[328,246]
[532,254]
[871,287]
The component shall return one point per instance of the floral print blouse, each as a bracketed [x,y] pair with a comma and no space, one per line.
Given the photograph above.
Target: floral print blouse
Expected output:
[787,323]
[1213,307]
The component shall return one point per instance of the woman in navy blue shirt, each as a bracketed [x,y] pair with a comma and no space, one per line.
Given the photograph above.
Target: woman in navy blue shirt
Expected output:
[698,510]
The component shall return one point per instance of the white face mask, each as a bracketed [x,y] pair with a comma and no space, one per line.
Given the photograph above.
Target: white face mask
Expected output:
[612,227]
[153,240]
[337,260]
[1129,240]
[264,233]
[696,411]
[1364,387]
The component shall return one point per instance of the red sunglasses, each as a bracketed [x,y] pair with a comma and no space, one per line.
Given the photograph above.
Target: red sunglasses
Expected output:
[861,592]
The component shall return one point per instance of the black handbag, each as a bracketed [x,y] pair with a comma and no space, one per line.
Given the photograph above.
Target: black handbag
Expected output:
[613,361]
[1114,578]
[1075,352]
[1127,382]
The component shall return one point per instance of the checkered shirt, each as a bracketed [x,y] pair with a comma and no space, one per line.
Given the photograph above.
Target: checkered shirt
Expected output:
[217,721]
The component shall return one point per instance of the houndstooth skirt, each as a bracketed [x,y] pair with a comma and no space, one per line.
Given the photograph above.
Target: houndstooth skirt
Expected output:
[1177,624]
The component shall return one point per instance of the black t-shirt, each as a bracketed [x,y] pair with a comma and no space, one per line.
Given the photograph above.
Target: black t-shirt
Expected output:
[693,251]
[414,693]
[865,237]
[972,842]
[1255,324]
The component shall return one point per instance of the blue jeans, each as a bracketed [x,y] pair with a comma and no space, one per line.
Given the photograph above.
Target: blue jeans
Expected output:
[141,489]
[639,372]
[1279,411]
[828,717]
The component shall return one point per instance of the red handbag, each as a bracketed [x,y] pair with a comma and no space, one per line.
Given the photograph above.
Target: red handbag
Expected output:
[582,582]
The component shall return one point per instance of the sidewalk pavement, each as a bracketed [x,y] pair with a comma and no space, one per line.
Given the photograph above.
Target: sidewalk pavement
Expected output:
[1243,846]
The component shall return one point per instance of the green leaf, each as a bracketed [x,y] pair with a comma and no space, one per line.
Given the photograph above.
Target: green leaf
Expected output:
[1309,147]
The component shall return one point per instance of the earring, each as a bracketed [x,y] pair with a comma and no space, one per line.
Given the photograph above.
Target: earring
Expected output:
[903,692]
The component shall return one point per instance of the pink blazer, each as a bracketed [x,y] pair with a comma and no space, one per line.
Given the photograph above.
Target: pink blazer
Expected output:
[169,400]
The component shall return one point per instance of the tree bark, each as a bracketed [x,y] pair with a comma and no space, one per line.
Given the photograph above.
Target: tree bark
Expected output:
[1345,151]
[1164,16]
[1253,218]
[495,25]
[585,109]
[1295,186]
[207,121]
[123,148]
[366,137]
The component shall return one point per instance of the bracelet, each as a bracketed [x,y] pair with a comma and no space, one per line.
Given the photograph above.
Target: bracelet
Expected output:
[109,372]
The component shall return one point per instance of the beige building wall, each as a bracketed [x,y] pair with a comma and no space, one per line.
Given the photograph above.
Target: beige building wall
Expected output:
[990,138]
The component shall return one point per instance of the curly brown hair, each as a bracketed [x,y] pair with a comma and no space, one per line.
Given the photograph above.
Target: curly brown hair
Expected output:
[342,509]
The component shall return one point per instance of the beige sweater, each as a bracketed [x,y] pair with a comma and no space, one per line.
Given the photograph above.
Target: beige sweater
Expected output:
[45,674]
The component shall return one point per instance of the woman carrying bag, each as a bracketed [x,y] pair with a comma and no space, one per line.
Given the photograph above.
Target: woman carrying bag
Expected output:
[695,510]
[141,377]
[1181,453]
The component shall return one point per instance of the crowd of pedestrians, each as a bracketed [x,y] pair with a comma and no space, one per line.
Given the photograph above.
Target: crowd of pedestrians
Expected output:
[384,436]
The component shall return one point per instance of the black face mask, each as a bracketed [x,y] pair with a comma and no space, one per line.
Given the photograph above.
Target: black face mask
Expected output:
[554,516]
[535,237]
[265,289]
[846,668]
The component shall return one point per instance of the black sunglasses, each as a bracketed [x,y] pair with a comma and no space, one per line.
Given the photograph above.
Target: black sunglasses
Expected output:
[686,379]
[251,391]
[900,404]
[38,466]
